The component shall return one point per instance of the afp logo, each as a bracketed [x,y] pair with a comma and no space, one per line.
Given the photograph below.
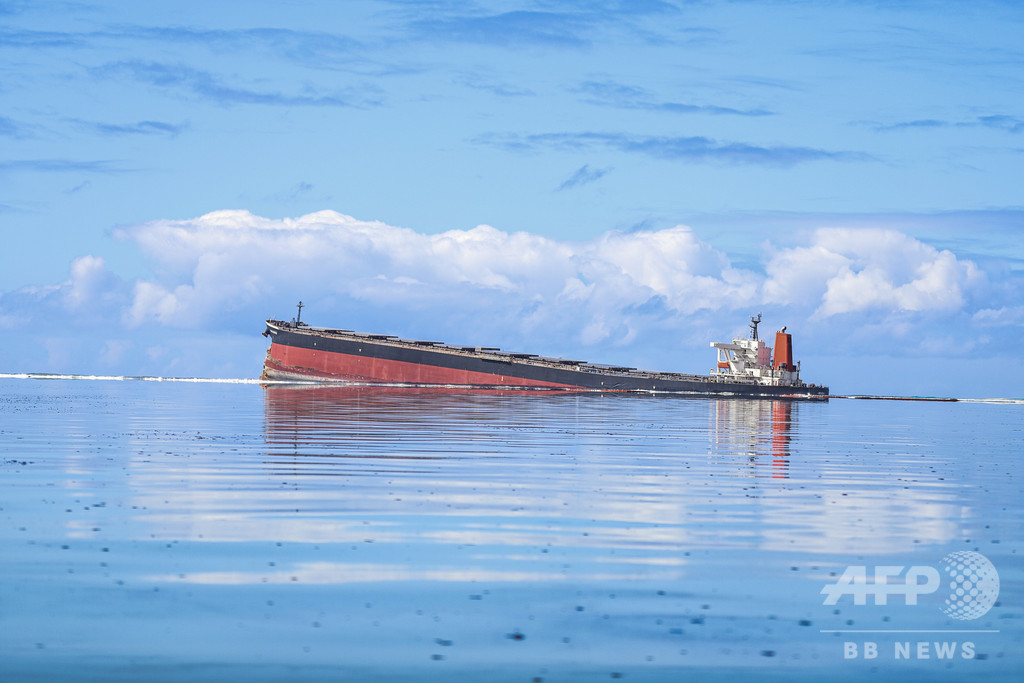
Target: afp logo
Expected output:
[970,579]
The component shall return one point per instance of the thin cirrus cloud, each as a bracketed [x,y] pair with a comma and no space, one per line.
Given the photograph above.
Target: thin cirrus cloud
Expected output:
[1011,124]
[565,25]
[695,148]
[584,175]
[610,93]
[137,128]
[62,166]
[523,27]
[559,25]
[11,128]
[1004,122]
[501,89]
[207,86]
[312,48]
[28,38]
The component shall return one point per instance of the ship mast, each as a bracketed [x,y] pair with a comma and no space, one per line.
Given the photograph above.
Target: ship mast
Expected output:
[298,318]
[753,326]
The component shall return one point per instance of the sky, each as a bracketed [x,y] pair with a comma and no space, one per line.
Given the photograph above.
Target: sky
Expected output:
[619,182]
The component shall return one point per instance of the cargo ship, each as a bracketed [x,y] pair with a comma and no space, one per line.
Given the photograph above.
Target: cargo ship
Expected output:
[300,352]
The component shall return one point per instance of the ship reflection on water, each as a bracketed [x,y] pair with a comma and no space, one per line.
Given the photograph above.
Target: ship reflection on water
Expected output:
[349,421]
[758,429]
[607,472]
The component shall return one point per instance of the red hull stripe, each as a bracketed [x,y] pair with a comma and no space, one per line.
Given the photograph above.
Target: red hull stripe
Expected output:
[342,366]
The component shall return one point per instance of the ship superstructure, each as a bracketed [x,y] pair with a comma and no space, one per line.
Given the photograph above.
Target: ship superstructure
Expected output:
[751,359]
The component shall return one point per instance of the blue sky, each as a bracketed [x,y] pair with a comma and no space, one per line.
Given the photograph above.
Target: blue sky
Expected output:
[617,181]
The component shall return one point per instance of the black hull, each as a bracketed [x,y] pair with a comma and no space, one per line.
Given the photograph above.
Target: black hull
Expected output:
[304,353]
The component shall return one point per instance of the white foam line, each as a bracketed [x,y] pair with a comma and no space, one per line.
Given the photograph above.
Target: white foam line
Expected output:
[933,399]
[1001,401]
[125,378]
[909,630]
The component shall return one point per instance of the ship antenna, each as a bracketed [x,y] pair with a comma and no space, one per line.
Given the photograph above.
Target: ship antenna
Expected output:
[753,326]
[298,318]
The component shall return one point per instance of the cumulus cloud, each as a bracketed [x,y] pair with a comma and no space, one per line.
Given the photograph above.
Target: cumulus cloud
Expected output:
[90,280]
[634,297]
[228,260]
[90,294]
[233,260]
[850,270]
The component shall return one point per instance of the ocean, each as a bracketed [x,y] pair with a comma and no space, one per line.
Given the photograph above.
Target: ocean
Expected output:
[207,531]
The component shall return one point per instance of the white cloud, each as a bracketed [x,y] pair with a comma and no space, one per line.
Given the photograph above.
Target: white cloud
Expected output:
[607,290]
[229,262]
[90,294]
[649,298]
[800,275]
[89,280]
[153,301]
[847,270]
[674,264]
[997,317]
[233,258]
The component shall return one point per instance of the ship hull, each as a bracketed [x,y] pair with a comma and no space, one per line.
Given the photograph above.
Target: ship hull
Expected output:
[310,354]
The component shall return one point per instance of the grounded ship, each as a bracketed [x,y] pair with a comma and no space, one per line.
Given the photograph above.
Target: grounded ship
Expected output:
[299,352]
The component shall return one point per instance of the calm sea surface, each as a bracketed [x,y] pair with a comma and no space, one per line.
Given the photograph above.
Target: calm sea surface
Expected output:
[168,530]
